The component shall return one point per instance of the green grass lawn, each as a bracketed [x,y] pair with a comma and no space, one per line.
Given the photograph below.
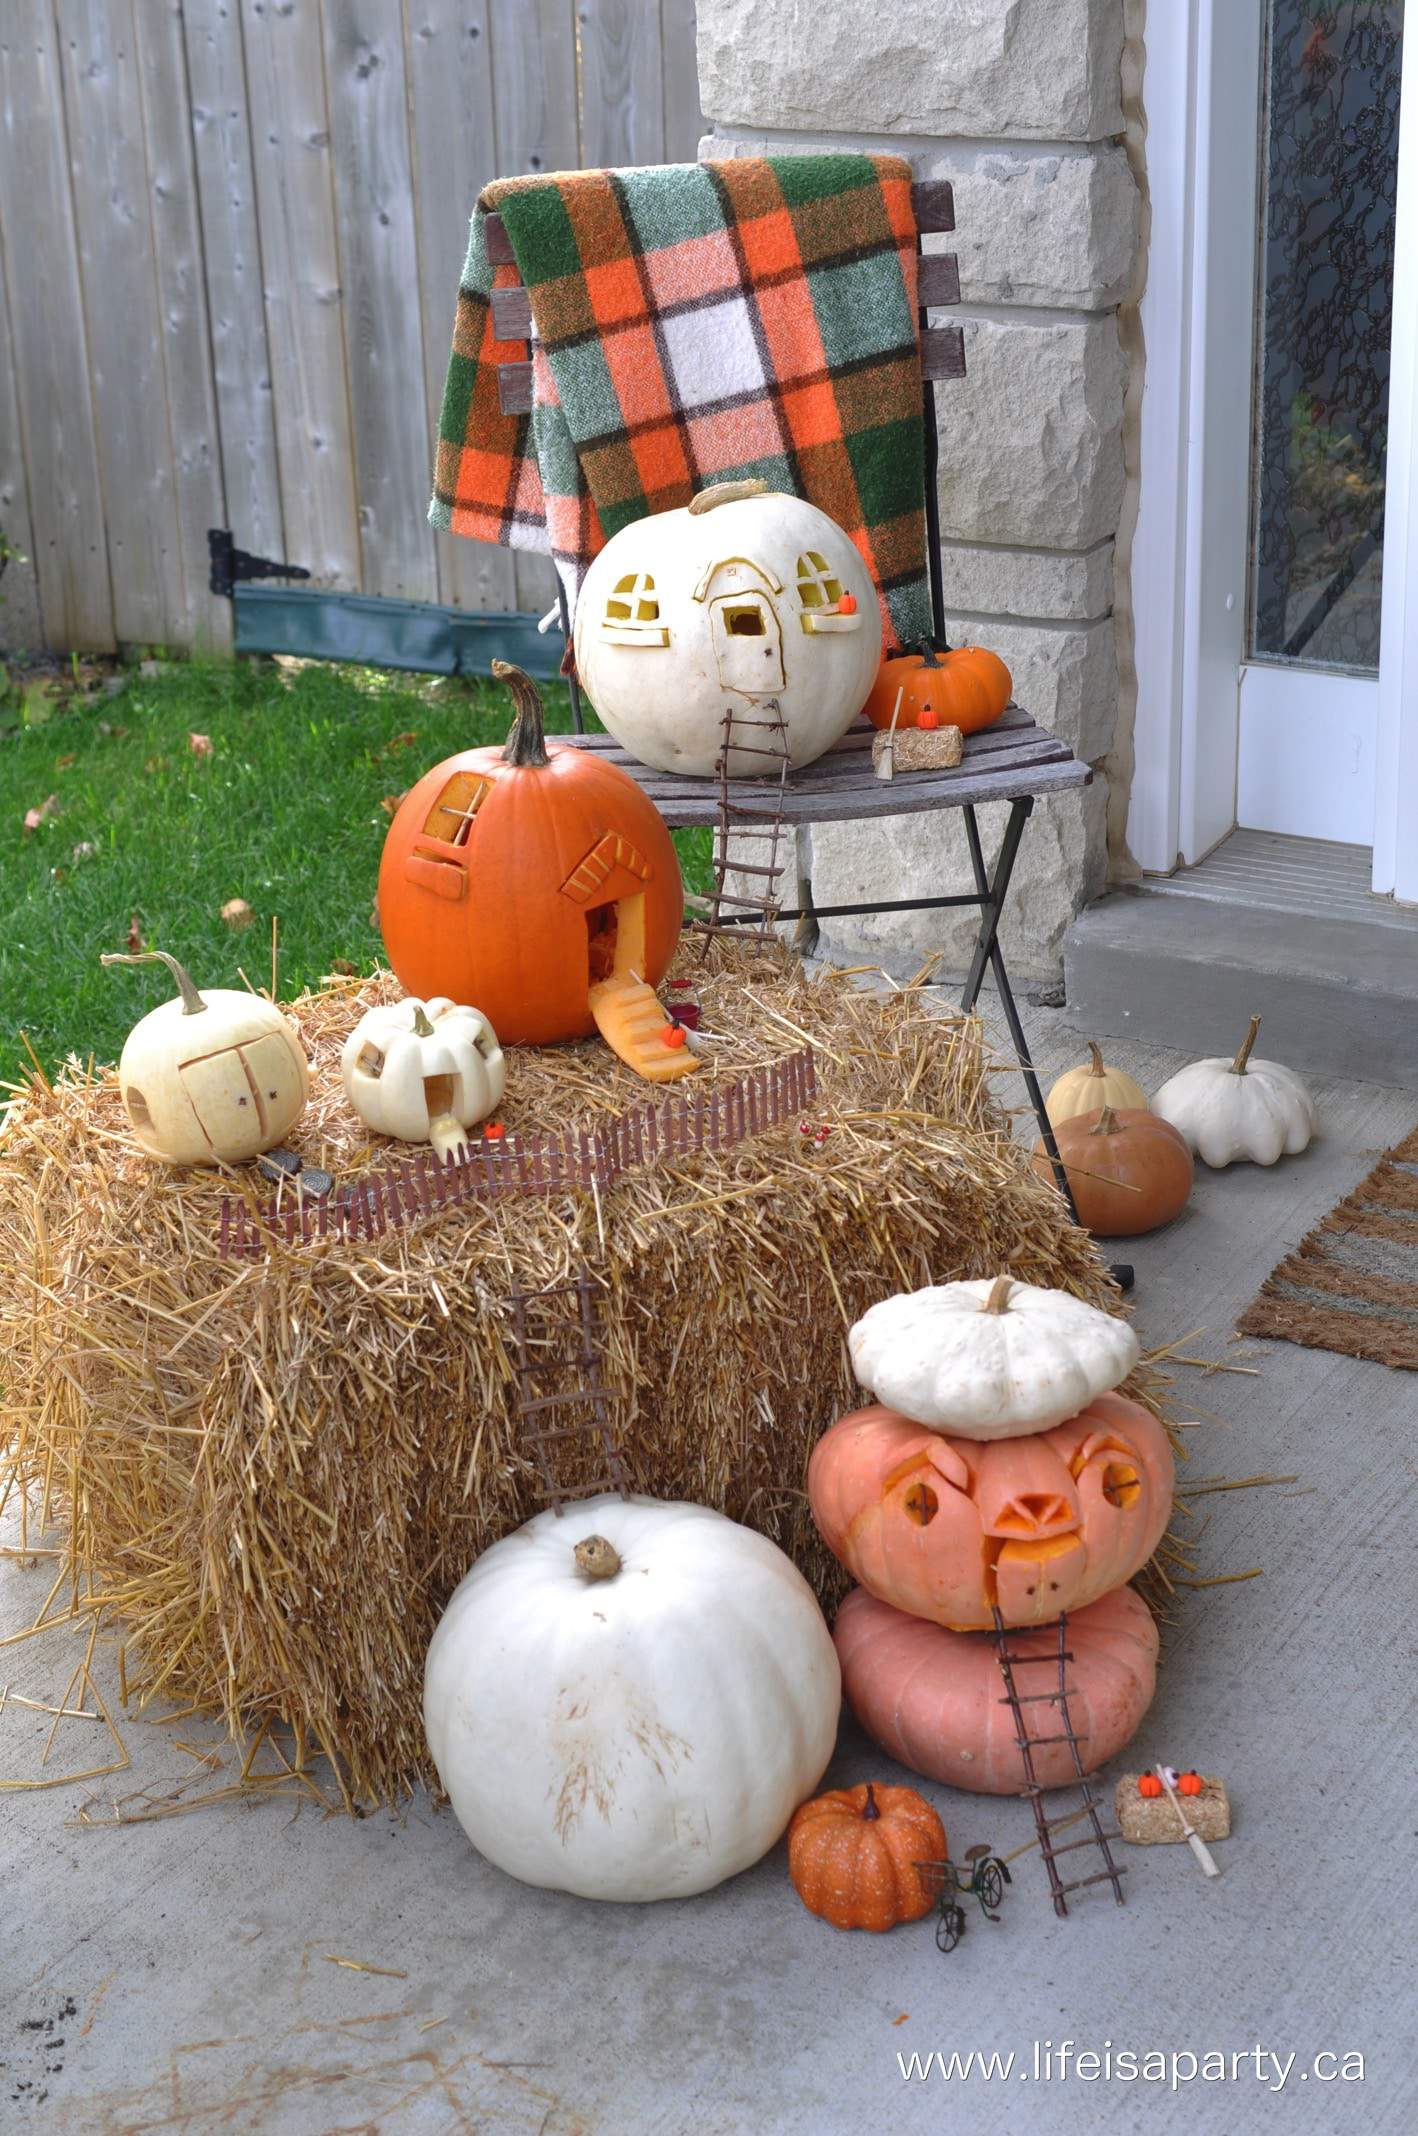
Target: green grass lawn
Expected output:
[285,813]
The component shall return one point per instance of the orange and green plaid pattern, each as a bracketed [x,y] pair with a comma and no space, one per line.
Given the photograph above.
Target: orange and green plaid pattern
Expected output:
[697,323]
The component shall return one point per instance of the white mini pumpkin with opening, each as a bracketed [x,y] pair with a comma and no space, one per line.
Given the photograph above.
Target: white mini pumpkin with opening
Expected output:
[743,599]
[423,1071]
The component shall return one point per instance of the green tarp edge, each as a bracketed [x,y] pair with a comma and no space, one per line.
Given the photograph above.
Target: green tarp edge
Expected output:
[372,632]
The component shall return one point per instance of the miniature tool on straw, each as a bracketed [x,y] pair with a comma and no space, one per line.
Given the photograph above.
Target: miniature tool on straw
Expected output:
[1195,1841]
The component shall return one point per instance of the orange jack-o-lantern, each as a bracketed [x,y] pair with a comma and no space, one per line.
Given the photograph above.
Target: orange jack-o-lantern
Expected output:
[949,1529]
[520,877]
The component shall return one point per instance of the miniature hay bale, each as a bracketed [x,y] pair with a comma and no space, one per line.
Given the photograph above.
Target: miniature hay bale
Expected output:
[1152,1821]
[274,1472]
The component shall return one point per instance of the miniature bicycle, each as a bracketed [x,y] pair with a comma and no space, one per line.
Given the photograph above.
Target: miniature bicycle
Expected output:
[983,1876]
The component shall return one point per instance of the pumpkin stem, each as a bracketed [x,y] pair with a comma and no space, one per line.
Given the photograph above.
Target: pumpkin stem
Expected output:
[192,1002]
[1243,1051]
[527,743]
[1097,1067]
[869,1808]
[726,493]
[998,1300]
[596,1558]
[422,1027]
[1108,1123]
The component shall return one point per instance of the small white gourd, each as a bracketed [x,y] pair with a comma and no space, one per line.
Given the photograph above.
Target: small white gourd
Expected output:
[423,1071]
[630,1699]
[989,1360]
[211,1077]
[1239,1111]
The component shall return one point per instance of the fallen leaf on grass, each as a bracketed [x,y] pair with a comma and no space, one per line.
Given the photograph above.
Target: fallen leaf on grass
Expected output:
[34,817]
[343,968]
[398,741]
[200,744]
[84,850]
[237,913]
[135,936]
[154,765]
[63,763]
[390,804]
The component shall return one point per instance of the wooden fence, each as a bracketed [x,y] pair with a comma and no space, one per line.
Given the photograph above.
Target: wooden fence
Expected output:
[230,239]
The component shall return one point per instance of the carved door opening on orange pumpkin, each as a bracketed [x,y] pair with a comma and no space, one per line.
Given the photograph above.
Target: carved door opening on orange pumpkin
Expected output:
[538,881]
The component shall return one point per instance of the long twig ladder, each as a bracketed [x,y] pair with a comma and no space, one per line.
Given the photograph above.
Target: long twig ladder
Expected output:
[556,1361]
[1112,1872]
[757,731]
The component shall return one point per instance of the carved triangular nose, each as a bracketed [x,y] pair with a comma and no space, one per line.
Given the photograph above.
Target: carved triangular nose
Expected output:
[1034,1513]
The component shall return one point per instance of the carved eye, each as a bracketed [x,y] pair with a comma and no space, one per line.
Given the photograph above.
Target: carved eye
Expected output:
[1121,1484]
[920,1504]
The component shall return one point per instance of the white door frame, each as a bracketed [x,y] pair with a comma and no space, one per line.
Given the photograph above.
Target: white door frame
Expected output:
[1202,93]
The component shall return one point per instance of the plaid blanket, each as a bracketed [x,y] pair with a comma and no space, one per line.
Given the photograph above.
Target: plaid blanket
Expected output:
[696,323]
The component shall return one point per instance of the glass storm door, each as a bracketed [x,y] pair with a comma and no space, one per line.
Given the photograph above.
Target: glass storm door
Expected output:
[1328,194]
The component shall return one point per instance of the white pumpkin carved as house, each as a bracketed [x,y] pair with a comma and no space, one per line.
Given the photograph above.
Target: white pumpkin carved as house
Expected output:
[746,600]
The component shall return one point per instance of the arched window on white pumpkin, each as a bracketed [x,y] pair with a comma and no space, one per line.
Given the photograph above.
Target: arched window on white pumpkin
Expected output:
[632,614]
[820,596]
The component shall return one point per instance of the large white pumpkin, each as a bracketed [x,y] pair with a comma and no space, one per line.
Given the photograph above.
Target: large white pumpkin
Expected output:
[630,1699]
[737,599]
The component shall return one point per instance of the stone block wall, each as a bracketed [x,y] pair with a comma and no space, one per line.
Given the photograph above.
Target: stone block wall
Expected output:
[1019,104]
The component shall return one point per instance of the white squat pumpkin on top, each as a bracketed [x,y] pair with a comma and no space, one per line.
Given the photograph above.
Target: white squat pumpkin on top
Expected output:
[989,1360]
[423,1071]
[1241,1111]
[630,1699]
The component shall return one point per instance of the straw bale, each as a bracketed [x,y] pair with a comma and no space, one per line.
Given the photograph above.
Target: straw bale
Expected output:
[273,1472]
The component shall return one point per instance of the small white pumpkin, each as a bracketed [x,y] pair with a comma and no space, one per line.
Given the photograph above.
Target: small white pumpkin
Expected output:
[1239,1111]
[423,1071]
[989,1360]
[630,1699]
[1090,1088]
[211,1077]
[743,596]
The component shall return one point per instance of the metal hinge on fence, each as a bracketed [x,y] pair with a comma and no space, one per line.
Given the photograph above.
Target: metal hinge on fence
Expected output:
[229,564]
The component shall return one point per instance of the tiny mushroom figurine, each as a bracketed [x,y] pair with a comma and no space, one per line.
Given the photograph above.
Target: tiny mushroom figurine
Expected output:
[211,1077]
[1243,1110]
[423,1071]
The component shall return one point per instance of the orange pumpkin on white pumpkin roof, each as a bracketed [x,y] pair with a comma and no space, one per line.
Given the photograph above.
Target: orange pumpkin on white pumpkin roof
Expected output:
[743,596]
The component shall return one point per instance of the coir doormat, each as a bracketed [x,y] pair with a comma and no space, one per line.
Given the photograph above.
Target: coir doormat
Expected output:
[1352,1285]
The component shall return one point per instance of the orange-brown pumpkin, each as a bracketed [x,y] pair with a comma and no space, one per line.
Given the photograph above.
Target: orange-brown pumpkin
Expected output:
[962,686]
[949,1528]
[516,878]
[853,1855]
[935,1700]
[1129,1170]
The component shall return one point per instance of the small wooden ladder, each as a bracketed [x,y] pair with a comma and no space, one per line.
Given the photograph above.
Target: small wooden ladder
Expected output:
[753,914]
[547,1346]
[1046,1826]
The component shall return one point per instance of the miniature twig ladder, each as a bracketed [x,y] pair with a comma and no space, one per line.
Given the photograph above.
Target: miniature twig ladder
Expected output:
[1009,1661]
[541,1355]
[755,911]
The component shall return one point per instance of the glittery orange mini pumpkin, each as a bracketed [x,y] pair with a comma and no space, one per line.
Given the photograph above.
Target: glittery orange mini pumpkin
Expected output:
[853,1855]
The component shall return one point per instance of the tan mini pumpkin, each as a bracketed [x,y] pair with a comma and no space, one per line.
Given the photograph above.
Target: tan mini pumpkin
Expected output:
[1089,1088]
[211,1077]
[854,1855]
[950,1528]
[1130,1172]
[423,1071]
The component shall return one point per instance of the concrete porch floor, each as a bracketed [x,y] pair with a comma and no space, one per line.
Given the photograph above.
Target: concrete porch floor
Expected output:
[173,1975]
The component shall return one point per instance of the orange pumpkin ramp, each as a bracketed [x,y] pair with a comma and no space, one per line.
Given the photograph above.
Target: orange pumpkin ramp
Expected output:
[631,1020]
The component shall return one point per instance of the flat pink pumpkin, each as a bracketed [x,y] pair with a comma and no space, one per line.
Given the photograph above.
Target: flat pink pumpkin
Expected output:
[932,1698]
[948,1528]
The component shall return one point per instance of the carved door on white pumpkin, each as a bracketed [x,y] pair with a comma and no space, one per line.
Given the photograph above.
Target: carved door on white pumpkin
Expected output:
[748,638]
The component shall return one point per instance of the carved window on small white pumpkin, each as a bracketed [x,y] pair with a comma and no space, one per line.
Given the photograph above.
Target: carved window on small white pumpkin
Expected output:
[633,612]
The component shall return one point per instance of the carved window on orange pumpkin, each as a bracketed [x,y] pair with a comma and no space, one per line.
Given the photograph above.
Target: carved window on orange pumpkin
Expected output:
[633,612]
[451,817]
